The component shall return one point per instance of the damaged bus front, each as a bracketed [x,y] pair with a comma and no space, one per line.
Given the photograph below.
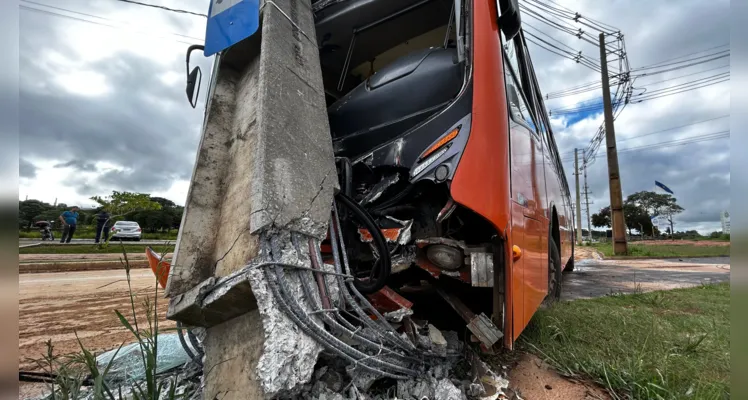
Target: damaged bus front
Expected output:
[450,185]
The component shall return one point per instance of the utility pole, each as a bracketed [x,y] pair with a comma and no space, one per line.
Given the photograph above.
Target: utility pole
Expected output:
[587,200]
[620,247]
[578,209]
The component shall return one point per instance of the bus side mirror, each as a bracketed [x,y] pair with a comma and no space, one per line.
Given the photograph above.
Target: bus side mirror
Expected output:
[509,19]
[194,78]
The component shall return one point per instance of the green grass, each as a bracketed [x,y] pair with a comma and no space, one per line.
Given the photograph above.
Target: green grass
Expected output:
[665,250]
[90,233]
[659,345]
[113,247]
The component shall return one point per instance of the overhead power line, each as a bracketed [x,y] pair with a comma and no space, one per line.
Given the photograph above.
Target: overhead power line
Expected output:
[690,54]
[175,10]
[47,8]
[673,128]
[50,12]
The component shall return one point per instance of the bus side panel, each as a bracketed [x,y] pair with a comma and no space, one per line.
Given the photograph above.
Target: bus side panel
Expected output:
[535,282]
[517,268]
[485,160]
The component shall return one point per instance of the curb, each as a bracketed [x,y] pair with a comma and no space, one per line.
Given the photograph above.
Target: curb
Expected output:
[37,268]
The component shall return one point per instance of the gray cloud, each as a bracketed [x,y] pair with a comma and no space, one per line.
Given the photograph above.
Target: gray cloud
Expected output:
[699,173]
[26,169]
[146,130]
[143,126]
[78,165]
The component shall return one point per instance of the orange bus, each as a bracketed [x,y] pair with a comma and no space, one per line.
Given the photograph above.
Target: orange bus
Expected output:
[446,153]
[449,174]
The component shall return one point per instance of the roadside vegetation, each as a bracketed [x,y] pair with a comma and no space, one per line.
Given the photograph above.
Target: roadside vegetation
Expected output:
[666,250]
[80,376]
[92,249]
[658,345]
[89,232]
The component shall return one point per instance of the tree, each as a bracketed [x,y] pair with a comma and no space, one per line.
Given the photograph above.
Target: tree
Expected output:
[120,204]
[637,217]
[30,211]
[602,218]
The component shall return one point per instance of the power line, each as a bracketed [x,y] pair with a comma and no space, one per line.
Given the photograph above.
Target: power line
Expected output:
[665,93]
[691,54]
[49,12]
[718,55]
[674,128]
[678,142]
[99,17]
[175,10]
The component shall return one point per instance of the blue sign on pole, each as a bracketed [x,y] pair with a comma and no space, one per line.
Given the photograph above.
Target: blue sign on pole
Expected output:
[229,22]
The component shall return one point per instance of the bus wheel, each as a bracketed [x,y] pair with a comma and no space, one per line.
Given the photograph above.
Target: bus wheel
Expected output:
[554,273]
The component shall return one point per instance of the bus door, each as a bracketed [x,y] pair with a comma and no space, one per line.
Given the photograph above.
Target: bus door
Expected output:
[529,272]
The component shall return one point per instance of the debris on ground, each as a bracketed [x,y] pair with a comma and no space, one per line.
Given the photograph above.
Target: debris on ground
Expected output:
[126,363]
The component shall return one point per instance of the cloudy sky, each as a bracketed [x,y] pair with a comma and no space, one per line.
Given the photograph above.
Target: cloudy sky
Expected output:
[102,102]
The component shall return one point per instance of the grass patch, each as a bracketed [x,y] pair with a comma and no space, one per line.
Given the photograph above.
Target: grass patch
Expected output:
[92,249]
[87,232]
[664,250]
[657,345]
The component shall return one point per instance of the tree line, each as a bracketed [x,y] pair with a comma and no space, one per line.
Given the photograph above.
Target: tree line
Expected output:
[153,214]
[639,209]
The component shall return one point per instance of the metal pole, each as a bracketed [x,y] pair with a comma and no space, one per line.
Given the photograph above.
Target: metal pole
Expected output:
[579,209]
[620,246]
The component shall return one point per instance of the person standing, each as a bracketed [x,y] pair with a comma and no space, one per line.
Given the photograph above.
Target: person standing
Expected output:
[102,224]
[69,223]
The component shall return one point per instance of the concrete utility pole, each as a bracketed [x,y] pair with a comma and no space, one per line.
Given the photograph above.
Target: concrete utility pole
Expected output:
[578,209]
[620,246]
[264,174]
[587,199]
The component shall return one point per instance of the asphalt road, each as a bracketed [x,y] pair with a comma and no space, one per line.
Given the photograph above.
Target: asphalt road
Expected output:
[596,278]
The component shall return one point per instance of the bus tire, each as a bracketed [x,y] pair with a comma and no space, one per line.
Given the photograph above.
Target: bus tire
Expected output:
[554,273]
[570,263]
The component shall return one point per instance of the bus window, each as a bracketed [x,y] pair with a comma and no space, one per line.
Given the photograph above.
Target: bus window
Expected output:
[518,106]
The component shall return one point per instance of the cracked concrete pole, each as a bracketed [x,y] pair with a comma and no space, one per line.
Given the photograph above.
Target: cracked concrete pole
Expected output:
[265,164]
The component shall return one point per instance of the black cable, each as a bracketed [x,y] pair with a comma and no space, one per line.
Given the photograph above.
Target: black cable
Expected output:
[682,90]
[185,347]
[382,268]
[688,55]
[89,21]
[674,128]
[99,17]
[175,10]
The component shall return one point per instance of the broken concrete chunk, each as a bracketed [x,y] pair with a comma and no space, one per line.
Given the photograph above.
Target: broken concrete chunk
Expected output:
[438,342]
[415,389]
[446,390]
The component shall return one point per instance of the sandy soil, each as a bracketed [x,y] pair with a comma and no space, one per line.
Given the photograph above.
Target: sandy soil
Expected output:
[56,305]
[533,379]
[585,253]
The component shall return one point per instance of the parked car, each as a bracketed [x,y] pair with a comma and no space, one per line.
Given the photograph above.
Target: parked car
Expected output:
[126,230]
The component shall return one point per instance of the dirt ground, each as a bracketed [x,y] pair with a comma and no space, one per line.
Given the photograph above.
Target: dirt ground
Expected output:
[57,305]
[586,253]
[533,379]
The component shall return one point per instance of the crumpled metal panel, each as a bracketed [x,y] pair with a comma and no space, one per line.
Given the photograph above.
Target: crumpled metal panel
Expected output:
[481,269]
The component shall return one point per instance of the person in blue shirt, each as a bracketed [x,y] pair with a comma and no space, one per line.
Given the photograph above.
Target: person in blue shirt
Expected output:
[69,222]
